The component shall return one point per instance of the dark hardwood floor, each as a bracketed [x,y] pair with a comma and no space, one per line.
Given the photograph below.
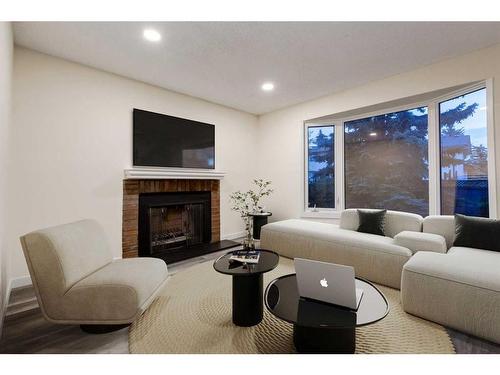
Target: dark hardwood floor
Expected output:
[466,344]
[28,332]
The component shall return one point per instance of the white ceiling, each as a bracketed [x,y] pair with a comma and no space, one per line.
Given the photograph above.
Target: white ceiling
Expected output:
[226,62]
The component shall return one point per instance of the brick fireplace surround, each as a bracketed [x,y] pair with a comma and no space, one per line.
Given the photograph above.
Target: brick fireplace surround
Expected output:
[133,187]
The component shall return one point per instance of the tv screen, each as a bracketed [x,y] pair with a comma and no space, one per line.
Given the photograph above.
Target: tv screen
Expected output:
[168,141]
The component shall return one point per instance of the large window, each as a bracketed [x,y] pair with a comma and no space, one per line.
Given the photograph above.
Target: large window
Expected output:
[429,158]
[464,155]
[386,162]
[320,167]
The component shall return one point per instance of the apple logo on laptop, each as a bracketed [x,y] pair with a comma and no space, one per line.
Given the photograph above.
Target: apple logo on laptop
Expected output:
[324,283]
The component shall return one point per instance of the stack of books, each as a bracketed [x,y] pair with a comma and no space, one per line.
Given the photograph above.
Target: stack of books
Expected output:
[246,256]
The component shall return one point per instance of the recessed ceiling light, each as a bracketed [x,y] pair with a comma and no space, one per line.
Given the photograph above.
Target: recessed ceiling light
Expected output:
[373,134]
[151,35]
[268,86]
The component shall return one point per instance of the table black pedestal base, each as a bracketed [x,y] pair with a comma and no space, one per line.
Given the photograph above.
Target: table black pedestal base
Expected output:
[324,340]
[258,223]
[102,328]
[248,307]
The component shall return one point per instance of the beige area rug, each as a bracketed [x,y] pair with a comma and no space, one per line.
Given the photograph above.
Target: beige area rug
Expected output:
[194,316]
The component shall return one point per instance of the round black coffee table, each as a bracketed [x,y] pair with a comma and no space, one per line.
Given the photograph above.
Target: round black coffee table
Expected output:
[320,327]
[248,306]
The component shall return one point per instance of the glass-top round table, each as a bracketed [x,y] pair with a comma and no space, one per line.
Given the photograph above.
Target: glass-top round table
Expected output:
[320,327]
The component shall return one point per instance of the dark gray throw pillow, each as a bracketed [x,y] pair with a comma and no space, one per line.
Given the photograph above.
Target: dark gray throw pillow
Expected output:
[372,221]
[477,232]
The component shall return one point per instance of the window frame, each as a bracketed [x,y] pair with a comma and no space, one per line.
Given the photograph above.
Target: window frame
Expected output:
[434,154]
[490,135]
[319,211]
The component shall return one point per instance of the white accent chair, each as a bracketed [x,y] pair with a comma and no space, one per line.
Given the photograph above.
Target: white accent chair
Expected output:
[77,281]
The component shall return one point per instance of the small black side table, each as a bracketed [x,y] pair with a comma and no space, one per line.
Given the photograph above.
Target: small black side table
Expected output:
[248,307]
[259,220]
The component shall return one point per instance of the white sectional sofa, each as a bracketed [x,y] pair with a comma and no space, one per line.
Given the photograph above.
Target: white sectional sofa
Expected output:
[459,289]
[455,286]
[376,258]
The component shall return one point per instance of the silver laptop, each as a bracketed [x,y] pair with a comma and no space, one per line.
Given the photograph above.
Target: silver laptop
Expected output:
[327,282]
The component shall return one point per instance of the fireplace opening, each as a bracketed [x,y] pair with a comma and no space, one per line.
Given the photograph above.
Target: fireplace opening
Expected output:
[175,226]
[172,224]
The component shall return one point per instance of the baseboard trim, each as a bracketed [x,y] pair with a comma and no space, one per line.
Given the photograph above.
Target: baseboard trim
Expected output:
[17,282]
[27,305]
[234,236]
[20,282]
[3,311]
[23,305]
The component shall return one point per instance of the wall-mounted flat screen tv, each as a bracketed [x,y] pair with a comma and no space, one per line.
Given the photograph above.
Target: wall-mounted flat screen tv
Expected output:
[168,141]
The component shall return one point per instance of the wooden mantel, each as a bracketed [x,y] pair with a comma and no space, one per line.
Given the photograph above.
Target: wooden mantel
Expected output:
[173,173]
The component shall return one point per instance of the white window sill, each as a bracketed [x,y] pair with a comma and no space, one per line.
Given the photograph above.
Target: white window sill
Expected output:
[331,214]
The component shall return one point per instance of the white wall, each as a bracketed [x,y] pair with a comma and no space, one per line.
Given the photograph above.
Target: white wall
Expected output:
[72,138]
[284,165]
[6,55]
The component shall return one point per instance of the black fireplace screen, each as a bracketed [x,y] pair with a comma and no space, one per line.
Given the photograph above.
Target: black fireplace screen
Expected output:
[172,222]
[175,226]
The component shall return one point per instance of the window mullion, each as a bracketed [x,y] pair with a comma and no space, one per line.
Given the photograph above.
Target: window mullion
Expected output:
[490,121]
[339,166]
[306,168]
[434,160]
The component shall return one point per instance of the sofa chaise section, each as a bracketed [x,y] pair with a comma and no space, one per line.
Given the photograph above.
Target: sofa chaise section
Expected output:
[459,289]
